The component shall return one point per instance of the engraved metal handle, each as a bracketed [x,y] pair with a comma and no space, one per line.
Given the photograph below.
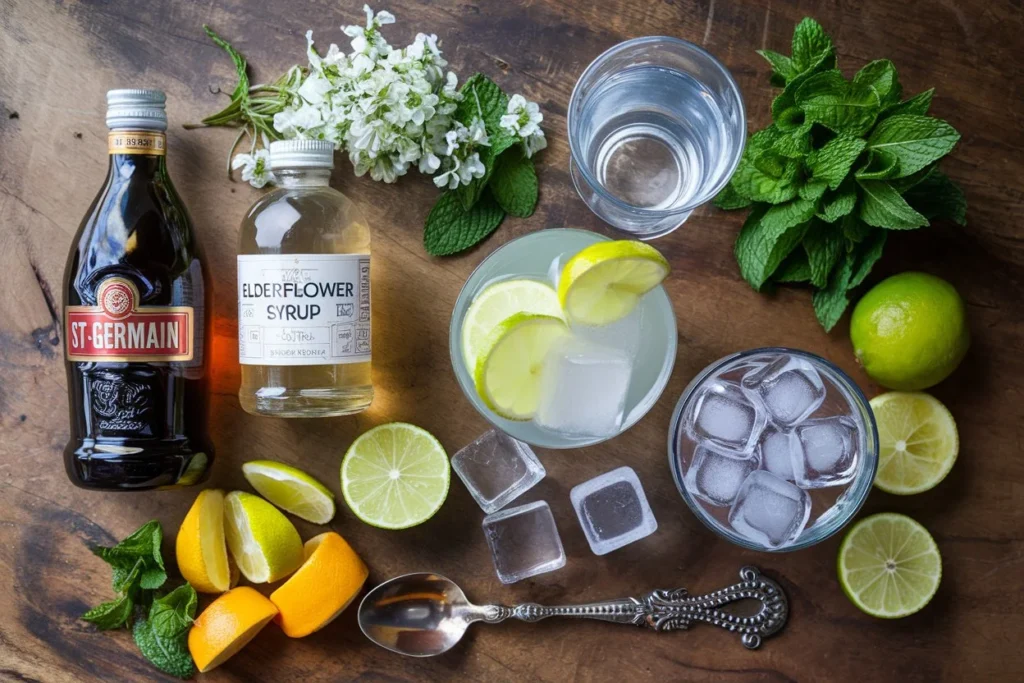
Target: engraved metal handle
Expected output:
[670,610]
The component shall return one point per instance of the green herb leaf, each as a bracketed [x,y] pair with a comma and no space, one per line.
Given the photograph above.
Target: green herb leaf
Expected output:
[918,104]
[866,255]
[883,207]
[144,542]
[880,165]
[755,184]
[794,144]
[880,76]
[170,655]
[767,238]
[152,578]
[823,245]
[832,162]
[812,47]
[936,196]
[854,229]
[903,184]
[829,99]
[782,66]
[730,199]
[242,88]
[172,615]
[451,228]
[514,183]
[831,301]
[793,269]
[125,579]
[915,140]
[813,190]
[838,203]
[109,615]
[481,97]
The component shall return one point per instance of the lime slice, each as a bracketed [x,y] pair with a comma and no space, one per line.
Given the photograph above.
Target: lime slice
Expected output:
[395,476]
[499,302]
[917,440]
[889,566]
[291,489]
[265,545]
[508,371]
[604,282]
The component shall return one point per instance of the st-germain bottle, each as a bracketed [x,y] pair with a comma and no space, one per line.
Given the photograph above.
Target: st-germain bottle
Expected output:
[135,306]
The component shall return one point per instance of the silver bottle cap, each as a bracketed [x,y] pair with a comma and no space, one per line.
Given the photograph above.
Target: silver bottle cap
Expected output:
[301,154]
[136,109]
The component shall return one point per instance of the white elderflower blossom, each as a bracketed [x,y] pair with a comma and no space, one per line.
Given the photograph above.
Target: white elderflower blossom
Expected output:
[255,167]
[523,117]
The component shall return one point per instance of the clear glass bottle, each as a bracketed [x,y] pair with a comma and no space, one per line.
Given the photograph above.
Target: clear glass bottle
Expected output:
[304,292]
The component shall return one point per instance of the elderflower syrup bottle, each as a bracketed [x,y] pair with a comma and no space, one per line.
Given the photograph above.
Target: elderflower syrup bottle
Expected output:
[304,292]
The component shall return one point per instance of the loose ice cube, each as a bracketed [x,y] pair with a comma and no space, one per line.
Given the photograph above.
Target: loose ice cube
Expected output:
[623,335]
[613,510]
[715,474]
[770,511]
[583,389]
[497,469]
[524,542]
[725,415]
[828,452]
[790,388]
[777,450]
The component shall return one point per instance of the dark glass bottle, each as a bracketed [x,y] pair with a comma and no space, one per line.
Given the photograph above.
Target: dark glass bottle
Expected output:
[135,298]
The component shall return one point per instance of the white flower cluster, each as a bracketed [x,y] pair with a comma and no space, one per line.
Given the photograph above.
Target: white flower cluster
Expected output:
[390,109]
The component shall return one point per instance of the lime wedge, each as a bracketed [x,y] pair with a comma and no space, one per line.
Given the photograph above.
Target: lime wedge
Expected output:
[265,545]
[508,371]
[918,442]
[395,476]
[291,489]
[604,282]
[498,302]
[889,566]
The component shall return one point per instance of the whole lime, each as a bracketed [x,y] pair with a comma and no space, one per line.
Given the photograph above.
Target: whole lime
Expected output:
[910,332]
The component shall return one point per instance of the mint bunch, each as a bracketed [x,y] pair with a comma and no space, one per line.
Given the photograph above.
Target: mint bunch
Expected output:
[465,216]
[843,163]
[138,571]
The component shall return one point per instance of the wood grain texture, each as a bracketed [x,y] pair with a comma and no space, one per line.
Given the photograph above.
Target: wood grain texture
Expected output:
[56,61]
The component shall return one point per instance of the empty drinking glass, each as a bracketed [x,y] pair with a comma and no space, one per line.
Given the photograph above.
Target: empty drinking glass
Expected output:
[656,128]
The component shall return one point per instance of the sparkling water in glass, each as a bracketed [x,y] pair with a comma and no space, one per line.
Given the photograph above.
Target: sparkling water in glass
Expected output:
[656,128]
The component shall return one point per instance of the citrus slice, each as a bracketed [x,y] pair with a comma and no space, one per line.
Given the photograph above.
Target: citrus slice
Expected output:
[265,545]
[395,476]
[291,489]
[917,439]
[200,547]
[604,282]
[889,566]
[498,302]
[227,625]
[508,370]
[321,588]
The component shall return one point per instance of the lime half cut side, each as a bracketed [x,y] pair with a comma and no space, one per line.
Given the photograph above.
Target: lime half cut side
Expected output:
[498,302]
[889,566]
[291,489]
[604,282]
[917,439]
[395,476]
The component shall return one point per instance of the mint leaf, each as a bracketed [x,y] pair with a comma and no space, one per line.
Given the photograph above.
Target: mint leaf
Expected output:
[880,165]
[730,199]
[153,578]
[880,76]
[109,615]
[144,543]
[782,66]
[830,302]
[125,579]
[823,245]
[451,228]
[812,48]
[170,655]
[915,140]
[838,203]
[481,97]
[514,183]
[901,185]
[883,207]
[794,144]
[854,229]
[918,104]
[832,162]
[242,87]
[936,196]
[813,190]
[755,176]
[829,99]
[172,615]
[867,254]
[793,269]
[767,238]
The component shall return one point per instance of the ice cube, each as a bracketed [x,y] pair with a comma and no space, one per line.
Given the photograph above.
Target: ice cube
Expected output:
[716,474]
[623,335]
[524,542]
[613,510]
[790,388]
[497,469]
[724,414]
[583,389]
[770,511]
[827,454]
[777,449]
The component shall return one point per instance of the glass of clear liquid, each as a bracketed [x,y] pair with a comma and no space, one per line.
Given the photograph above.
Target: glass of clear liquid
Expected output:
[656,128]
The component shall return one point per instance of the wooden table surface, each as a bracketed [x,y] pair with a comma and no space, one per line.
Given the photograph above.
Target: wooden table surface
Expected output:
[58,59]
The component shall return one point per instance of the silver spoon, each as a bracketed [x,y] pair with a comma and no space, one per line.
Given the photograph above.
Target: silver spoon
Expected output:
[425,614]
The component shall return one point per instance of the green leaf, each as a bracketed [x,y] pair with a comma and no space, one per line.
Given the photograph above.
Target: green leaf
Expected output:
[856,230]
[794,144]
[914,140]
[754,178]
[880,76]
[242,88]
[832,162]
[125,579]
[767,238]
[838,203]
[170,655]
[901,185]
[109,615]
[450,228]
[830,302]
[829,99]
[918,104]
[883,207]
[812,48]
[813,190]
[824,245]
[936,196]
[782,65]
[880,165]
[867,254]
[481,97]
[152,578]
[172,614]
[144,542]
[514,183]
[730,199]
[793,269]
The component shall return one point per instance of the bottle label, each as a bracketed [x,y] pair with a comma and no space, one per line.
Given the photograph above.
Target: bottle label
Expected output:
[136,142]
[118,329]
[303,309]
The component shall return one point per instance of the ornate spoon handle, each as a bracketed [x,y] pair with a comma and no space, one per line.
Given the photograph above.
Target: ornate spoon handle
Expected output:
[669,610]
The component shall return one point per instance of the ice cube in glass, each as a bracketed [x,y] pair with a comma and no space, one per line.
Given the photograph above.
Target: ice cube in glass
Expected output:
[827,454]
[789,387]
[770,511]
[524,542]
[583,389]
[716,474]
[497,469]
[727,416]
[613,510]
[777,452]
[622,335]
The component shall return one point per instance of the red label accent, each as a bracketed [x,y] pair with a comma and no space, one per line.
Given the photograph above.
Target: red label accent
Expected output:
[117,329]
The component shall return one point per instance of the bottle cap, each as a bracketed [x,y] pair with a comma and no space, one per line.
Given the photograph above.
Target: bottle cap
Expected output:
[301,154]
[136,109]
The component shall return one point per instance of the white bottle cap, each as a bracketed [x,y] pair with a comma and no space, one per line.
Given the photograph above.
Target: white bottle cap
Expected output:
[301,154]
[136,109]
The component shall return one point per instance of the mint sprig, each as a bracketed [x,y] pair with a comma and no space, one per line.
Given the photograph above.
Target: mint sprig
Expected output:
[843,162]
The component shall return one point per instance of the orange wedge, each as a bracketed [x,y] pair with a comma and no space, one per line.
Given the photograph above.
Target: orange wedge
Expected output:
[200,547]
[321,588]
[227,625]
